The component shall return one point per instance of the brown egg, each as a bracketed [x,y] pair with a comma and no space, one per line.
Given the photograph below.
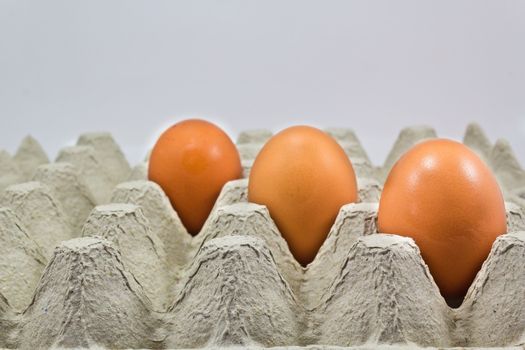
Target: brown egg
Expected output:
[191,161]
[303,177]
[444,197]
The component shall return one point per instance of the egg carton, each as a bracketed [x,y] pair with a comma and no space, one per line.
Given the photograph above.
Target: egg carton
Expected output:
[92,255]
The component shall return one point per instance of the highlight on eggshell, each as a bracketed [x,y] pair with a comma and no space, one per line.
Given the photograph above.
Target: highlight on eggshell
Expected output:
[303,177]
[191,161]
[441,194]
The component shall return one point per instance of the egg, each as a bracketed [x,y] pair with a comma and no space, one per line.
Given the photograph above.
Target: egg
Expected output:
[441,194]
[303,177]
[191,161]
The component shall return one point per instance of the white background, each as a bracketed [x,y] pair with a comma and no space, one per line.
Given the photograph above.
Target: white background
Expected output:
[134,67]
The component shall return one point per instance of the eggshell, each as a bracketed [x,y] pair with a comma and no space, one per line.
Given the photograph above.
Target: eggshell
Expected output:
[304,177]
[191,161]
[443,195]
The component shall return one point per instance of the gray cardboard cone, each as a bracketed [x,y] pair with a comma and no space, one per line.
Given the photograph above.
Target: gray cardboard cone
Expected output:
[30,156]
[138,172]
[163,220]
[348,140]
[253,220]
[91,170]
[505,165]
[87,298]
[10,173]
[40,212]
[234,295]
[142,251]
[108,154]
[476,139]
[64,180]
[381,290]
[493,313]
[7,324]
[21,259]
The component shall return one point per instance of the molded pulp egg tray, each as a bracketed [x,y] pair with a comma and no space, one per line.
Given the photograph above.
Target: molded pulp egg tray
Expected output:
[93,255]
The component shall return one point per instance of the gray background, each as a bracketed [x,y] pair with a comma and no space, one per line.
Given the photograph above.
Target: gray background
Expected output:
[135,67]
